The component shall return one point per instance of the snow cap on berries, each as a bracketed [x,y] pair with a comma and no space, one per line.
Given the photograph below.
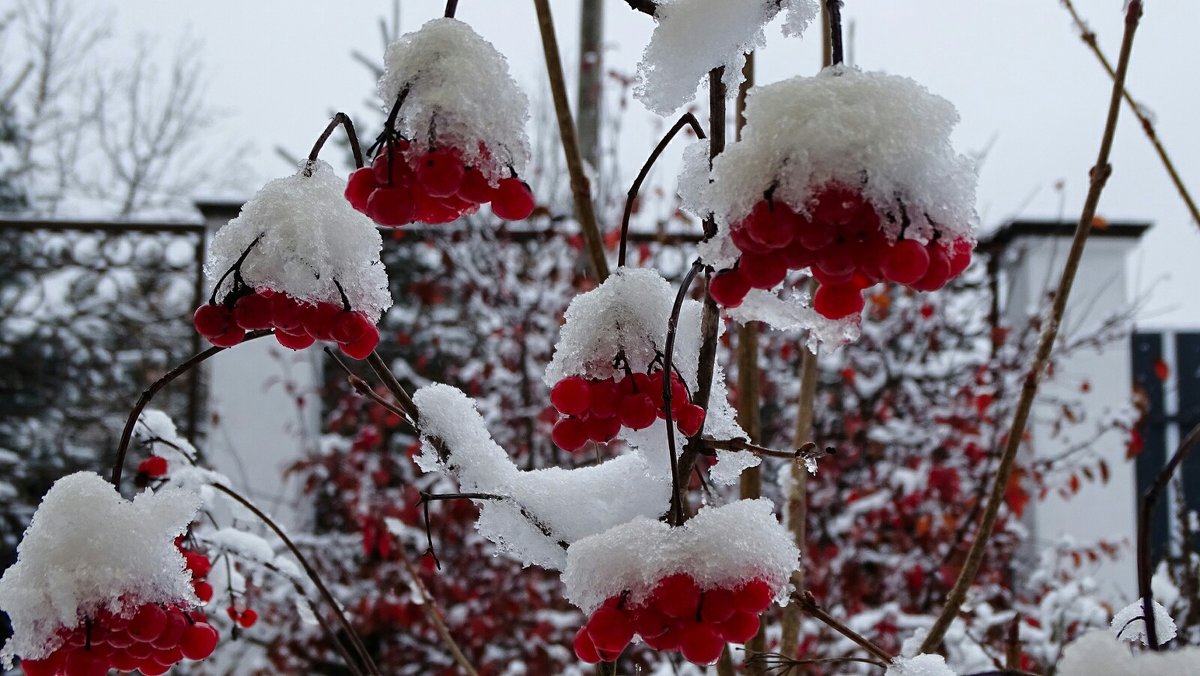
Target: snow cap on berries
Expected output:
[460,93]
[695,36]
[88,548]
[719,547]
[310,240]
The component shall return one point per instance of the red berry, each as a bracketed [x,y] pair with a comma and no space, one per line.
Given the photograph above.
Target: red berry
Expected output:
[602,429]
[823,277]
[610,629]
[513,200]
[677,596]
[571,396]
[294,341]
[359,187]
[729,287]
[960,257]
[585,650]
[717,605]
[700,643]
[433,210]
[816,235]
[390,168]
[43,667]
[650,622]
[667,640]
[248,617]
[797,256]
[204,591]
[753,596]
[836,260]
[153,466]
[212,320]
[569,434]
[745,243]
[253,312]
[905,262]
[233,336]
[285,314]
[475,187]
[689,419]
[393,207]
[172,632]
[198,564]
[763,272]
[603,398]
[348,326]
[739,628]
[440,173]
[771,225]
[123,661]
[364,345]
[85,663]
[148,624]
[836,301]
[199,640]
[939,269]
[637,411]
[838,205]
[151,667]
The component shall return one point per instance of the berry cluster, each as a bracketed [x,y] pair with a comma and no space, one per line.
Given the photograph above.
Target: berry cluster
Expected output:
[678,615]
[597,409]
[842,243]
[297,324]
[153,466]
[198,565]
[149,637]
[245,618]
[405,186]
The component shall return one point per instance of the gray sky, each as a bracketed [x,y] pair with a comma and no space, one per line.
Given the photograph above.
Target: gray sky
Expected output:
[1015,68]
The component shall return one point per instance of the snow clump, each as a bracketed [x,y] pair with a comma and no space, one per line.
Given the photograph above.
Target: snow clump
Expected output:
[1129,623]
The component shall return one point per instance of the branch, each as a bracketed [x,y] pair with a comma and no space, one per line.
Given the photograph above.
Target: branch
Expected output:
[1098,176]
[809,605]
[1089,39]
[581,190]
[644,6]
[148,394]
[807,451]
[687,119]
[780,663]
[434,613]
[1149,500]
[676,515]
[344,120]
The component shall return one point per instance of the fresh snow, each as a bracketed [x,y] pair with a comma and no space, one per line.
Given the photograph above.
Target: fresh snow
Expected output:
[920,665]
[310,241]
[693,37]
[1129,623]
[730,465]
[1098,653]
[719,547]
[460,93]
[88,548]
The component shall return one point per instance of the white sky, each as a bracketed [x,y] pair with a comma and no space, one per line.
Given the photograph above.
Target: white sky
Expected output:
[1015,68]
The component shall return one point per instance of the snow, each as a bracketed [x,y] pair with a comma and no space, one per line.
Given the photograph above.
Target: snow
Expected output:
[460,93]
[792,311]
[542,509]
[1097,653]
[719,547]
[1129,623]
[730,465]
[311,241]
[88,548]
[157,431]
[920,665]
[242,544]
[693,37]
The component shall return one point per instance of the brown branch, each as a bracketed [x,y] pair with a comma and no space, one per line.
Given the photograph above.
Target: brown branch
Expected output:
[806,451]
[148,394]
[434,613]
[581,191]
[1098,177]
[676,515]
[310,571]
[797,499]
[1089,39]
[780,663]
[809,605]
[686,120]
[385,375]
[344,120]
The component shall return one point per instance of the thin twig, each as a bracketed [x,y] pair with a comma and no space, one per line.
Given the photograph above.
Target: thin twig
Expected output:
[385,375]
[434,613]
[1149,500]
[809,605]
[686,120]
[581,191]
[309,570]
[344,120]
[1089,38]
[806,451]
[451,8]
[780,664]
[675,516]
[797,499]
[1099,176]
[833,9]
[148,394]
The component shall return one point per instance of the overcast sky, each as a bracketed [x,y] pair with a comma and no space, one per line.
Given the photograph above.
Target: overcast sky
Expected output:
[1022,81]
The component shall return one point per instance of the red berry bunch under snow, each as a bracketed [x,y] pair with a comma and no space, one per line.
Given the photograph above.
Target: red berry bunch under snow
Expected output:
[841,242]
[455,138]
[677,616]
[301,261]
[198,567]
[597,409]
[99,583]
[863,188]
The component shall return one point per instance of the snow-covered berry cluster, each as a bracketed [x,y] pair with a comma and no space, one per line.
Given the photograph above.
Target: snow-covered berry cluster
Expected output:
[842,243]
[301,261]
[677,616]
[405,185]
[596,409]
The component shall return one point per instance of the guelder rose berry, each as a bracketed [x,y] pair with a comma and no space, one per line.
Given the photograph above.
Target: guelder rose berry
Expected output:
[596,410]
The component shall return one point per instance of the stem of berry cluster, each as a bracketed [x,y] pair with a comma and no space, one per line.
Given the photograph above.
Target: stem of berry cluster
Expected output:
[344,120]
[451,8]
[676,515]
[686,120]
[1089,39]
[148,394]
[833,9]
[1145,567]
[355,641]
[806,602]
[581,191]
[1098,177]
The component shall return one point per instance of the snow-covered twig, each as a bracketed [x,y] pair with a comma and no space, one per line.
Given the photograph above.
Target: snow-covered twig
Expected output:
[344,120]
[1098,178]
[808,604]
